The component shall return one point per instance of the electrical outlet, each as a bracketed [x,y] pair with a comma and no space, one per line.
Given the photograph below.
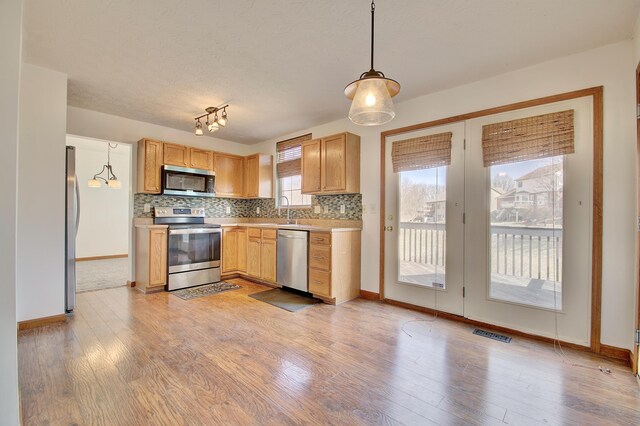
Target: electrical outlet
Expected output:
[258,210]
[326,209]
[228,210]
[342,209]
[373,209]
[317,209]
[365,209]
[147,207]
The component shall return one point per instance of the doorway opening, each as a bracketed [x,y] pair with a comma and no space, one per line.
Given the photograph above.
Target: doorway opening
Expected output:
[102,243]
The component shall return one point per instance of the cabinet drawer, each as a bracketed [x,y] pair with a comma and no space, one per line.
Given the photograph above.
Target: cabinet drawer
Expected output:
[254,232]
[320,238]
[320,282]
[270,234]
[320,257]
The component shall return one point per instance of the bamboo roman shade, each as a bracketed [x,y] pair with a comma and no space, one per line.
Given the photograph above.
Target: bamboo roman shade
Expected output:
[528,138]
[420,153]
[289,158]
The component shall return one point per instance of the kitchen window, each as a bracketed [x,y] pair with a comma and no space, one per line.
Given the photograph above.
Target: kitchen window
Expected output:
[289,171]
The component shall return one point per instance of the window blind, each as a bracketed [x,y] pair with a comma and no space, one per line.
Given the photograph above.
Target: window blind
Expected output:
[289,157]
[424,152]
[528,138]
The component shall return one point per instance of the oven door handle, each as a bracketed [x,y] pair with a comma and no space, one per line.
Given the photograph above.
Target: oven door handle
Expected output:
[195,231]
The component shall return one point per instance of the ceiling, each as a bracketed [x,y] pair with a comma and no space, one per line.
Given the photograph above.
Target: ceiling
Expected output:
[282,65]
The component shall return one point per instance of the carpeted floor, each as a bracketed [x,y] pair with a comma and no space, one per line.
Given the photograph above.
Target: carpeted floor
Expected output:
[100,274]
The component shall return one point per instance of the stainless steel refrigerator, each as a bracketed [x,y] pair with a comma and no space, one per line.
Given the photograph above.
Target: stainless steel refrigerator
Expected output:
[72,218]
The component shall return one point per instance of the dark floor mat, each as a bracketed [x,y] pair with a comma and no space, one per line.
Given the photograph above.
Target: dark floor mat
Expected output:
[204,290]
[285,299]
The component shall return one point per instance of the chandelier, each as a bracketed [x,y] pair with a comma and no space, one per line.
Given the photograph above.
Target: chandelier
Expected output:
[110,178]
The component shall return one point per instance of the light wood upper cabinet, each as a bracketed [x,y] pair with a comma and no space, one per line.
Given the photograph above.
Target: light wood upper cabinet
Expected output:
[229,175]
[176,155]
[200,159]
[150,157]
[331,165]
[258,176]
[311,166]
[236,176]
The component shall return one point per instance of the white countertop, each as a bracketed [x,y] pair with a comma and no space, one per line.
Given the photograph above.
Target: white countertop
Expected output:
[300,227]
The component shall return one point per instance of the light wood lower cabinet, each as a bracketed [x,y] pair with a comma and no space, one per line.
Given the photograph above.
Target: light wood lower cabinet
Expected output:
[151,258]
[254,252]
[253,257]
[268,254]
[334,265]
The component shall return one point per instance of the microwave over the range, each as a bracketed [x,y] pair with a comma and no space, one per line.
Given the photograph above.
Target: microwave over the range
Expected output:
[188,182]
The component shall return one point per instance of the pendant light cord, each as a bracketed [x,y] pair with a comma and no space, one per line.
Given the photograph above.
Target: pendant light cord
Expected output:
[373,10]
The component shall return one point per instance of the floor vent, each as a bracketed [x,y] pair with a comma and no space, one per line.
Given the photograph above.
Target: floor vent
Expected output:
[494,336]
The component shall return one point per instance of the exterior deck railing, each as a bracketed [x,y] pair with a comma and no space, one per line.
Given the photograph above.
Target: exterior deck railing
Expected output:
[530,252]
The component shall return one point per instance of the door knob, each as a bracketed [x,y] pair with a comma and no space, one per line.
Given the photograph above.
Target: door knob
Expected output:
[388,228]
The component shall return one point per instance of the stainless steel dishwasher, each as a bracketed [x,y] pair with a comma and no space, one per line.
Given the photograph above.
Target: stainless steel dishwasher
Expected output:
[292,259]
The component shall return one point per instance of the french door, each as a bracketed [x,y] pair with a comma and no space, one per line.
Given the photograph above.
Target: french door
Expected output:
[423,227]
[514,238]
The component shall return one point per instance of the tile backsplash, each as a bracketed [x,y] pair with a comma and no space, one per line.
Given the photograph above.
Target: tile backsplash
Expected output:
[243,208]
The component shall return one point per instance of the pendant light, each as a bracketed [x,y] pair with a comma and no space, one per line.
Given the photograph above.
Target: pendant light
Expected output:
[111,180]
[371,93]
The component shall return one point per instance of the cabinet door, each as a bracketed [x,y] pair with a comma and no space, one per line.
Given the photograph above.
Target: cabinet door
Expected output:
[253,257]
[311,167]
[157,257]
[251,170]
[229,175]
[242,250]
[176,155]
[229,250]
[268,260]
[200,159]
[334,163]
[152,166]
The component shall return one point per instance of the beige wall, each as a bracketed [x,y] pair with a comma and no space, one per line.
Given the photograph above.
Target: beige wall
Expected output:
[10,54]
[611,66]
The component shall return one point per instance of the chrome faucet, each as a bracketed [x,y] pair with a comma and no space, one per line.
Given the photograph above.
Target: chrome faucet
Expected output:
[288,204]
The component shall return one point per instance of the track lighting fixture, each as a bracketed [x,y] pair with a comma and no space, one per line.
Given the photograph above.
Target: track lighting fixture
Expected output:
[216,123]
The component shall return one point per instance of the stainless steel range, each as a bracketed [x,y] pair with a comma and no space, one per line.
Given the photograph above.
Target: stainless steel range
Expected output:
[194,246]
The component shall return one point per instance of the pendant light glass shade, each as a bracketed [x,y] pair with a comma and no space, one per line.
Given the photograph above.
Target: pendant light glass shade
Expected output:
[94,183]
[115,184]
[372,104]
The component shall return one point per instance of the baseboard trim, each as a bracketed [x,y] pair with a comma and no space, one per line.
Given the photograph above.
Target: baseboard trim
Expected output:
[369,295]
[232,275]
[111,256]
[475,323]
[615,352]
[131,284]
[39,322]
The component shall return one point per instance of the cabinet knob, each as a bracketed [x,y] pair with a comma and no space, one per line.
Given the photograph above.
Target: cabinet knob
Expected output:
[388,228]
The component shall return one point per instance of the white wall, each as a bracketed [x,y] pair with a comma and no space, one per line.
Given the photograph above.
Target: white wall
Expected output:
[92,124]
[104,212]
[41,189]
[611,66]
[10,54]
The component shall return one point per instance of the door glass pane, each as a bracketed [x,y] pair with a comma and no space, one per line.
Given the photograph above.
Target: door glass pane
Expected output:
[422,233]
[526,232]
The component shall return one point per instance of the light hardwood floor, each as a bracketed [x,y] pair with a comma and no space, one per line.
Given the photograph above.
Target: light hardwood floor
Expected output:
[133,359]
